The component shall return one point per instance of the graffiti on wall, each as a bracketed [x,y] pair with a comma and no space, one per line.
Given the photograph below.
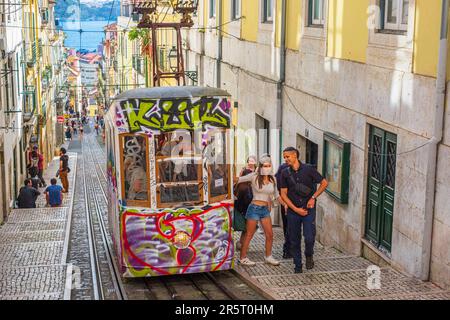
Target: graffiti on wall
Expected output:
[144,115]
[176,241]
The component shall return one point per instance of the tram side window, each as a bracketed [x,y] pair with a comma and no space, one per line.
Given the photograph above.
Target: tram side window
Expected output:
[179,168]
[218,166]
[135,171]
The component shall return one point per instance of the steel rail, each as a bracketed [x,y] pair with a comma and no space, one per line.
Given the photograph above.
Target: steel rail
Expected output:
[95,268]
[114,270]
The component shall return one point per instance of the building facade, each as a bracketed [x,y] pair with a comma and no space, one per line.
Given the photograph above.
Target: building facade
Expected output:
[355,73]
[13,132]
[30,47]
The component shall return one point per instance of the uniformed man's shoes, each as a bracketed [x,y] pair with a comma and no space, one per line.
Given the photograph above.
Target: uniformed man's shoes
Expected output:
[298,270]
[309,263]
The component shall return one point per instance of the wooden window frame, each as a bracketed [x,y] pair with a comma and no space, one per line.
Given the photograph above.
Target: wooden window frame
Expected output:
[212,9]
[198,182]
[134,203]
[266,18]
[198,161]
[316,22]
[228,166]
[399,26]
[236,9]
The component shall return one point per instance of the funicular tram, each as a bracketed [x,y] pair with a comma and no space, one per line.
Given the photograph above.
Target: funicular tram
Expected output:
[170,180]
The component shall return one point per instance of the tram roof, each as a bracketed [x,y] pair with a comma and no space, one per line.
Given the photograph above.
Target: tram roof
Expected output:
[171,92]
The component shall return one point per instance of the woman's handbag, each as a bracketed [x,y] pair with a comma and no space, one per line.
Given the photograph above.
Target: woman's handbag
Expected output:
[239,221]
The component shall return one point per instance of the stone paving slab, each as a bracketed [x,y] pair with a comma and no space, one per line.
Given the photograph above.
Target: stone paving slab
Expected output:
[33,226]
[287,267]
[335,275]
[32,236]
[330,278]
[355,290]
[37,214]
[415,296]
[31,254]
[32,246]
[44,296]
[26,282]
[41,202]
[277,253]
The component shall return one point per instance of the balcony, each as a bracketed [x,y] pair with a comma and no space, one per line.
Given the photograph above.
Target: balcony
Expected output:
[40,48]
[29,103]
[31,55]
[138,63]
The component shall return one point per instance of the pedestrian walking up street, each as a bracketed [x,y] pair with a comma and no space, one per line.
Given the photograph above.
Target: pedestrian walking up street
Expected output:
[36,160]
[64,169]
[53,194]
[27,195]
[264,191]
[298,190]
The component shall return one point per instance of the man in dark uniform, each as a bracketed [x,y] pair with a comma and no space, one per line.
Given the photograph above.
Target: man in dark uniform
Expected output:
[298,190]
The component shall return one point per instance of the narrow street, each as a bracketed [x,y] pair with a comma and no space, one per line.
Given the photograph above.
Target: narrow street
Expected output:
[225,150]
[66,253]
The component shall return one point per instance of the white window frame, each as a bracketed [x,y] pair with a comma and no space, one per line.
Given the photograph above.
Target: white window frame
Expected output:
[235,9]
[267,15]
[399,26]
[212,9]
[321,20]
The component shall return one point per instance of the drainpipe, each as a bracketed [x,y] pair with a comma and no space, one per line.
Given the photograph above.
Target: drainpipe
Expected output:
[441,79]
[282,78]
[219,46]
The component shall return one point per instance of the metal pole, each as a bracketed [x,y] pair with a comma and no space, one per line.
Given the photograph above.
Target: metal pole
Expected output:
[219,47]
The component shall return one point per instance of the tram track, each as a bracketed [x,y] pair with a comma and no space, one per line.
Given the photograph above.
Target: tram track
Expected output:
[106,278]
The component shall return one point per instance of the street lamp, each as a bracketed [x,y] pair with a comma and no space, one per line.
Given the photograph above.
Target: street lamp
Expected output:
[173,59]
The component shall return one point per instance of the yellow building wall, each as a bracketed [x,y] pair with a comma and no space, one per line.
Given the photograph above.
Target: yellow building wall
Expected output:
[293,20]
[250,10]
[426,38]
[226,15]
[348,34]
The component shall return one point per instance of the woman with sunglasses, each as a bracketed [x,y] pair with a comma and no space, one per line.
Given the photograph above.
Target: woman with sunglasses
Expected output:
[264,191]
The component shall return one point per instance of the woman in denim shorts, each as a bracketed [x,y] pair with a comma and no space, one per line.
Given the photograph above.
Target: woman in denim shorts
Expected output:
[265,191]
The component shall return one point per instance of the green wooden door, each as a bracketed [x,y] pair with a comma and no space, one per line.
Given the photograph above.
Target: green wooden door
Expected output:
[381,187]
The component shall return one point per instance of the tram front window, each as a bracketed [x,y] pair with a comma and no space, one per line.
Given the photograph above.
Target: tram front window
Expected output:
[179,168]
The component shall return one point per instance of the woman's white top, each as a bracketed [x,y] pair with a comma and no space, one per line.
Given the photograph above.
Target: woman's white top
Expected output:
[268,192]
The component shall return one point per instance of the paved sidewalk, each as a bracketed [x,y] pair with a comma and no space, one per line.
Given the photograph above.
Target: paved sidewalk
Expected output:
[335,276]
[33,246]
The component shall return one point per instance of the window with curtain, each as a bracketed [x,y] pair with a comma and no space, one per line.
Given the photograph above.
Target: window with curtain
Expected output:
[394,14]
[235,9]
[212,8]
[267,11]
[316,12]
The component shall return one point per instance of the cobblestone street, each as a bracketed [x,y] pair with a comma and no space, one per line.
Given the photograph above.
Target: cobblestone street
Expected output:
[33,246]
[39,248]
[334,276]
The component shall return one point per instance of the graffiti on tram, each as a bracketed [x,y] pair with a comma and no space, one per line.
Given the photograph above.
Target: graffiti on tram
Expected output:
[142,115]
[175,241]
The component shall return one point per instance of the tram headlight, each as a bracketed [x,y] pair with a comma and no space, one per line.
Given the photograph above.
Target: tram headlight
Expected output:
[181,240]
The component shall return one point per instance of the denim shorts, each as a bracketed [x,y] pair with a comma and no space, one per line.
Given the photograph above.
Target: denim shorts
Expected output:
[255,212]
